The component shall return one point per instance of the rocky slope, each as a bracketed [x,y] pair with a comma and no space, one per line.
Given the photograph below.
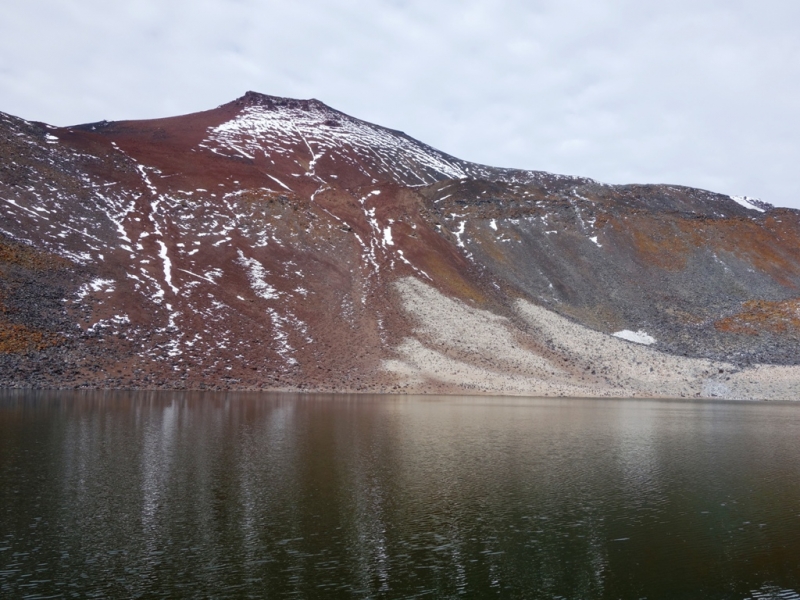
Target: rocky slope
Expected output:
[275,243]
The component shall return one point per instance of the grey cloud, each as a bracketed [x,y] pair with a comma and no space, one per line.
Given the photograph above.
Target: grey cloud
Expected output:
[700,93]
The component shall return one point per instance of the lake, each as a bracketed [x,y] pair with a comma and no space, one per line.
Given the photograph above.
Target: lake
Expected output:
[140,494]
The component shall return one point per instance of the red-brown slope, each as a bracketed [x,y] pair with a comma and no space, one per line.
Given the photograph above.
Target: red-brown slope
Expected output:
[256,245]
[234,270]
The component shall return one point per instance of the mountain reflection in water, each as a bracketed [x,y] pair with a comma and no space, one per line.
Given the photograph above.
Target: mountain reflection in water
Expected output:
[125,494]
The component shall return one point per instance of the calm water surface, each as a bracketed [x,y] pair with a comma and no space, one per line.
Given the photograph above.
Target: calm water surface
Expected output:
[278,496]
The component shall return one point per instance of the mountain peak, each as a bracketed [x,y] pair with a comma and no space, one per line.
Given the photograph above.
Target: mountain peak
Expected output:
[279,243]
[252,98]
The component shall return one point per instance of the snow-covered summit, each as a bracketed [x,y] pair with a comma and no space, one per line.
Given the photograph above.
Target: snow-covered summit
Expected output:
[273,128]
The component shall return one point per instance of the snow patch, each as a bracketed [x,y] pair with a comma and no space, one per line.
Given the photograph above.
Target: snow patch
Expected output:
[638,337]
[256,274]
[747,202]
[279,182]
[460,232]
[96,285]
[162,253]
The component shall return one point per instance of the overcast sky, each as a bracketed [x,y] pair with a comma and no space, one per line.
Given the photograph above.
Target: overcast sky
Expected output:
[694,92]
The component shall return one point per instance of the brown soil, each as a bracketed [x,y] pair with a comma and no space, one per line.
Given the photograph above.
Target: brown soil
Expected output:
[759,316]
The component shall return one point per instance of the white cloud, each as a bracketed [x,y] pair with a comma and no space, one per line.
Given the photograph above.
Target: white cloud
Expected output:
[699,93]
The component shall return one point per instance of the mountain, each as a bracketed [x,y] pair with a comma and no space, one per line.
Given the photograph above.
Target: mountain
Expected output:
[280,244]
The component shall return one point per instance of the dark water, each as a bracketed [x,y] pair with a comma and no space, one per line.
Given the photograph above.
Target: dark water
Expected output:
[273,496]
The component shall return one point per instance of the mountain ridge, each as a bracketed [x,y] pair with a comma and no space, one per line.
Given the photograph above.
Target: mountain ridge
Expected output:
[249,246]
